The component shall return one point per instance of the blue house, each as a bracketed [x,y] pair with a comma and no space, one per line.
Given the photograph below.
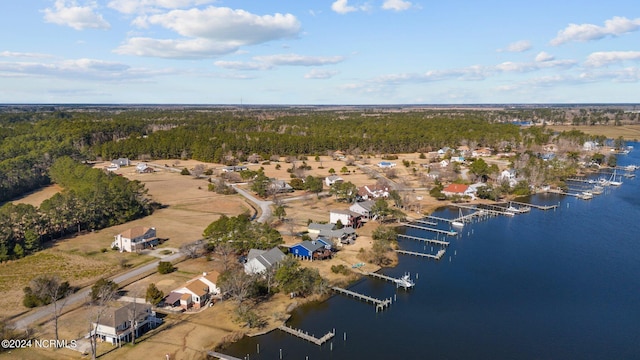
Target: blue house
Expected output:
[310,250]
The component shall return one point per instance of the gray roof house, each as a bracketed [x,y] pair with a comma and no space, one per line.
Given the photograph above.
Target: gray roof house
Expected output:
[115,327]
[259,261]
[363,208]
[121,162]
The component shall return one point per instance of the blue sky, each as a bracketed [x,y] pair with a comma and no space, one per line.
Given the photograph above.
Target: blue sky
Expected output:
[319,52]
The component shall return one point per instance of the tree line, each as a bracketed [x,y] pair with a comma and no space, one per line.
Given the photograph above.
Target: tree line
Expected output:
[91,200]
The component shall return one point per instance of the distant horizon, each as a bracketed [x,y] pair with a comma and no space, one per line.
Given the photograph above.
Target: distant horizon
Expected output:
[528,105]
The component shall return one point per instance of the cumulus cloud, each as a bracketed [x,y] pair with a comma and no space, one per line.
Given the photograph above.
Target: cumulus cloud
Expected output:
[86,69]
[544,56]
[518,46]
[603,58]
[145,6]
[342,7]
[396,5]
[210,32]
[69,13]
[586,32]
[320,74]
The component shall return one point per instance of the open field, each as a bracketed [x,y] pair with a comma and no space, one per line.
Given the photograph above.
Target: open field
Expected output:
[628,132]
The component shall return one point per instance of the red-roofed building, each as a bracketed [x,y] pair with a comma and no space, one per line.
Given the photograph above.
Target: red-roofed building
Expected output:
[455,189]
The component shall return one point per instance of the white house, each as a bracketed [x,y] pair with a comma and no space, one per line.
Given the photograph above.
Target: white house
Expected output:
[363,208]
[332,179]
[142,168]
[259,261]
[121,162]
[115,327]
[346,217]
[136,238]
[196,292]
[589,146]
[113,167]
[444,163]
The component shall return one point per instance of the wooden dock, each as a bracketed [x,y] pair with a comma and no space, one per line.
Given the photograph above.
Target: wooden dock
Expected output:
[539,207]
[438,219]
[446,232]
[380,304]
[490,209]
[303,335]
[437,256]
[222,356]
[432,241]
[426,222]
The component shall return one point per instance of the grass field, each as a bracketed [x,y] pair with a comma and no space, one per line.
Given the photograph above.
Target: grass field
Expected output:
[628,132]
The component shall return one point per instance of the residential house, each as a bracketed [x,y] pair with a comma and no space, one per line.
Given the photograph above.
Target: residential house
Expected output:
[143,168]
[114,325]
[444,150]
[481,152]
[196,292]
[234,168]
[280,186]
[259,261]
[444,163]
[386,164]
[311,250]
[346,217]
[589,146]
[363,208]
[464,150]
[332,179]
[507,174]
[121,162]
[112,167]
[134,239]
[373,192]
[455,189]
[458,159]
[330,231]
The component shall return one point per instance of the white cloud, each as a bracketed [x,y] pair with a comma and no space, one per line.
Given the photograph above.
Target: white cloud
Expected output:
[320,74]
[299,60]
[341,7]
[585,32]
[145,6]
[603,58]
[83,69]
[14,54]
[68,13]
[210,32]
[240,65]
[544,56]
[518,46]
[396,5]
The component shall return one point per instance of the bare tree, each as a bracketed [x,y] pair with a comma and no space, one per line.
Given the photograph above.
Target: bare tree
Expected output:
[105,294]
[226,252]
[50,289]
[198,170]
[192,250]
[133,316]
[237,284]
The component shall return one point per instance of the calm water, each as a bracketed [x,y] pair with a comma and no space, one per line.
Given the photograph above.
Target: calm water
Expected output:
[561,284]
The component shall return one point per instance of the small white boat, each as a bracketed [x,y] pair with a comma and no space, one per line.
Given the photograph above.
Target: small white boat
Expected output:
[405,281]
[586,195]
[457,224]
[597,190]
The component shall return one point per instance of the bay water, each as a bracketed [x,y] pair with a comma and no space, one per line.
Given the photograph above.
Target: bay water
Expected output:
[556,284]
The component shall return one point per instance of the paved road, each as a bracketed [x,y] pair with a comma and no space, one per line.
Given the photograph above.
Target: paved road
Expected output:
[83,295]
[264,205]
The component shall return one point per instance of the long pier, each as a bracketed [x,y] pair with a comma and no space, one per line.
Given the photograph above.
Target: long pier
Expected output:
[398,282]
[432,241]
[303,335]
[486,210]
[380,304]
[438,219]
[446,232]
[426,222]
[539,207]
[437,256]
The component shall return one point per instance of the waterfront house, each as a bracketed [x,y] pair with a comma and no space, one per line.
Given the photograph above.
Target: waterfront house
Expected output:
[330,231]
[311,250]
[455,189]
[114,326]
[373,191]
[259,261]
[136,238]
